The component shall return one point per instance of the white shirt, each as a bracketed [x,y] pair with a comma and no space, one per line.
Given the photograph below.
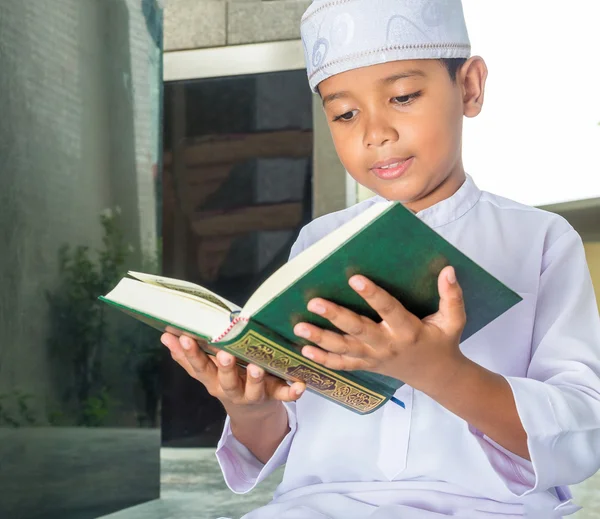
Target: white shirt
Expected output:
[423,461]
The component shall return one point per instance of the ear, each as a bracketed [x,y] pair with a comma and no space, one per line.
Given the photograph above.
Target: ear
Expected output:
[473,76]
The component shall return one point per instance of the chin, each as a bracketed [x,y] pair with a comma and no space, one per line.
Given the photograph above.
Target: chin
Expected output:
[397,190]
[395,195]
[409,188]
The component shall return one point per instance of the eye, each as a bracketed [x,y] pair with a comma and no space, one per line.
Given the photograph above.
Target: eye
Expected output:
[348,116]
[407,99]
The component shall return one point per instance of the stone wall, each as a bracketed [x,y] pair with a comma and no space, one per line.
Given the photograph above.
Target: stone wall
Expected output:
[52,182]
[78,134]
[196,24]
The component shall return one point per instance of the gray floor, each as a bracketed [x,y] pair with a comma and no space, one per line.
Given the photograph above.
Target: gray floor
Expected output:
[74,472]
[193,488]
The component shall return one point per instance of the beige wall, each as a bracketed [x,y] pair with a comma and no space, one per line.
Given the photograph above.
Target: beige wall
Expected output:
[592,251]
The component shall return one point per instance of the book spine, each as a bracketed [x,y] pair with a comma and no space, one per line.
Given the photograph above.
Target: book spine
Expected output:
[231,326]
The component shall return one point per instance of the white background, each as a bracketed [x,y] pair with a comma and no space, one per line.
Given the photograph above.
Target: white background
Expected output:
[537,140]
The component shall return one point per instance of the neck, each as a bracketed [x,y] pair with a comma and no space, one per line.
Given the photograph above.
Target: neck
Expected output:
[444,189]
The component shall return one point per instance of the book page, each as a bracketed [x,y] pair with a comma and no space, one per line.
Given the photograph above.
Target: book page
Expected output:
[308,258]
[188,288]
[174,308]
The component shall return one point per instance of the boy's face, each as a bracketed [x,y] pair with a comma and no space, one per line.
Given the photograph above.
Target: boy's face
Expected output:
[397,126]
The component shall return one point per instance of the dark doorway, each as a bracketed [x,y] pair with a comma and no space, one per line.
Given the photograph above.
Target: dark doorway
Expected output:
[237,188]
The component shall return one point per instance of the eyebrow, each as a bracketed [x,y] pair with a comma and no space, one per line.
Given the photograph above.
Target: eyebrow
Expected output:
[403,75]
[332,97]
[386,81]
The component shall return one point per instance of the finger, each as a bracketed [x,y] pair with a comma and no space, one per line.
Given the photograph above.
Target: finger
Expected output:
[177,353]
[255,384]
[211,352]
[334,360]
[331,341]
[228,375]
[386,305]
[199,361]
[278,389]
[169,340]
[452,305]
[360,327]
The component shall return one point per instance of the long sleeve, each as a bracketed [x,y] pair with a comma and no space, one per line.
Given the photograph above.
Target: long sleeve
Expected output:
[242,471]
[559,400]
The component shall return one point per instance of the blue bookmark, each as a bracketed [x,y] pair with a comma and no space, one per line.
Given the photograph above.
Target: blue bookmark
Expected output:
[398,402]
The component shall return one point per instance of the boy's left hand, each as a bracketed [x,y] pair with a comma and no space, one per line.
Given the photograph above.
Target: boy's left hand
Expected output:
[423,353]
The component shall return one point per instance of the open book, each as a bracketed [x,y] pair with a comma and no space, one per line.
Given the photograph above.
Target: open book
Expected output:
[386,243]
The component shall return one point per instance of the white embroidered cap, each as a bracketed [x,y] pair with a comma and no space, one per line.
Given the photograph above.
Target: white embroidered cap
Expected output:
[341,35]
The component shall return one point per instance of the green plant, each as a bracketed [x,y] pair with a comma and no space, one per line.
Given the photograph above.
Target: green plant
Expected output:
[79,331]
[96,408]
[56,417]
[15,409]
[84,330]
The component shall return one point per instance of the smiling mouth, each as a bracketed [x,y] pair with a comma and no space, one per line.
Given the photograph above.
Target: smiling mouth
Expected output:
[391,166]
[391,169]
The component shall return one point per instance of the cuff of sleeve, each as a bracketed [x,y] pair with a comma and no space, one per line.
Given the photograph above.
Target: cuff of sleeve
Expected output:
[241,470]
[535,409]
[517,474]
[521,478]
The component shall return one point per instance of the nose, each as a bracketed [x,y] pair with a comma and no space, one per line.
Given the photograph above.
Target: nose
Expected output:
[379,131]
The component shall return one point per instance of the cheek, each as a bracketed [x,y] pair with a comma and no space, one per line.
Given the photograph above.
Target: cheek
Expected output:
[439,137]
[347,147]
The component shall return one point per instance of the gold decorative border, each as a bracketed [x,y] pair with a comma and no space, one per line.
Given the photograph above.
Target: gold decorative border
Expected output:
[256,348]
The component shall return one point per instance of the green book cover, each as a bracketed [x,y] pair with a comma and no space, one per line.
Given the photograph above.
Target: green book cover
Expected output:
[404,256]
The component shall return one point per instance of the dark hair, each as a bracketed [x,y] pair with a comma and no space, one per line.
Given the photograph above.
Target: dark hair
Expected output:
[453,66]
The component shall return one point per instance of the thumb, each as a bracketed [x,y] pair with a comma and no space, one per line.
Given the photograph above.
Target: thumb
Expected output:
[452,307]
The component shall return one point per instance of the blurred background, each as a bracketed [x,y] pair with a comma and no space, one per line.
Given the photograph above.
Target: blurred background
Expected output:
[180,137]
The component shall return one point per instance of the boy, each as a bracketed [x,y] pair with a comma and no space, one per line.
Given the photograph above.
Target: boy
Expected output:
[494,427]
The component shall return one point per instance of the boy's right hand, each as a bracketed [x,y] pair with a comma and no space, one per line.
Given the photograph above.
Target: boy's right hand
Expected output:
[239,390]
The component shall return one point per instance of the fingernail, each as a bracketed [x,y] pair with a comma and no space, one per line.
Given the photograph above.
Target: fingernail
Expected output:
[254,372]
[225,361]
[451,276]
[357,283]
[302,331]
[186,344]
[308,355]
[317,308]
[299,391]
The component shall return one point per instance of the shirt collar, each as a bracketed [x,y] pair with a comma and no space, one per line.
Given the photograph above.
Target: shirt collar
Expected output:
[451,208]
